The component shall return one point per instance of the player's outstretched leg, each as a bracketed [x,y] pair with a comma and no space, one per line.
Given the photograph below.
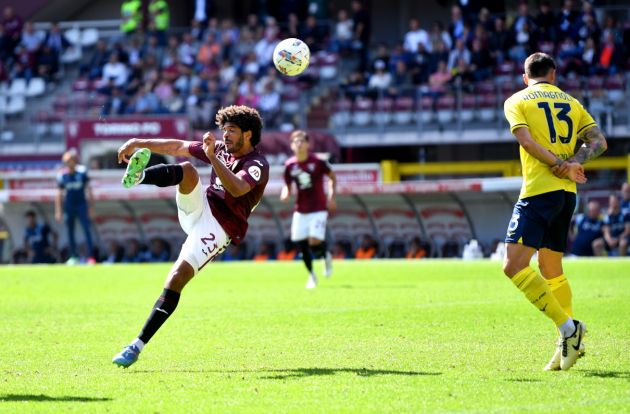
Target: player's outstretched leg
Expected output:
[135,167]
[321,251]
[307,257]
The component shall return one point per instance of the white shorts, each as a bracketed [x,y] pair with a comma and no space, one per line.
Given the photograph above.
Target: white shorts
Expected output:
[307,225]
[206,238]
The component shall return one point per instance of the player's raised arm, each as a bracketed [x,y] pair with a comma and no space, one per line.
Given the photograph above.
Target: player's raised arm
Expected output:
[173,147]
[594,145]
[572,170]
[331,204]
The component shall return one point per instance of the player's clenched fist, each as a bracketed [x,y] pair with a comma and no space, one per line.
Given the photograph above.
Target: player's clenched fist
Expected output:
[208,144]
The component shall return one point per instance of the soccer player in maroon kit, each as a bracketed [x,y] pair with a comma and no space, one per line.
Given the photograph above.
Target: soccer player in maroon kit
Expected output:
[312,205]
[213,218]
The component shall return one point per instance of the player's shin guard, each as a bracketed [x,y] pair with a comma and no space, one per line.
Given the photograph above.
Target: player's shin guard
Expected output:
[306,254]
[319,250]
[163,175]
[163,308]
[538,293]
[562,291]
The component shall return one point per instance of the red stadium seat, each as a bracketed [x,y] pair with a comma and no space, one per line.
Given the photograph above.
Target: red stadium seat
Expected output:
[383,110]
[403,110]
[445,109]
[362,111]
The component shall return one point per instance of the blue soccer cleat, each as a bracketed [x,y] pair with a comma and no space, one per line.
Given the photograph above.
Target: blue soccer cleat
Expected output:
[137,163]
[127,356]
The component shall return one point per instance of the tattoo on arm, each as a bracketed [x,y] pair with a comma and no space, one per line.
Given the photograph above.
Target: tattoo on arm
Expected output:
[594,145]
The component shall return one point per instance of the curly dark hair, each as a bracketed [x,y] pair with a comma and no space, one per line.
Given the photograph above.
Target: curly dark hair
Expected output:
[246,118]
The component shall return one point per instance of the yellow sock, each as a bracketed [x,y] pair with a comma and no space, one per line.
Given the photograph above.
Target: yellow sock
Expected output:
[562,291]
[539,294]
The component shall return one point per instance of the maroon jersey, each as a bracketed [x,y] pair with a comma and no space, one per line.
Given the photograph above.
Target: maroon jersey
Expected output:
[232,212]
[308,176]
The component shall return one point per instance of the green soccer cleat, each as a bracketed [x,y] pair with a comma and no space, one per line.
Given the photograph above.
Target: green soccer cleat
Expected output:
[136,166]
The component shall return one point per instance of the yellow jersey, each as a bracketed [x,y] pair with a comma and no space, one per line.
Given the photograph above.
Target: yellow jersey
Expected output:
[554,119]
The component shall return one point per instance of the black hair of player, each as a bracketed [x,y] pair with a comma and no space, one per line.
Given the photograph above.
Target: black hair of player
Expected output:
[299,133]
[30,213]
[538,65]
[244,117]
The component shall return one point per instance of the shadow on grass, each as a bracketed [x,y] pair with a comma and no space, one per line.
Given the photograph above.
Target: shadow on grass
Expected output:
[372,287]
[299,372]
[607,374]
[361,372]
[522,380]
[46,398]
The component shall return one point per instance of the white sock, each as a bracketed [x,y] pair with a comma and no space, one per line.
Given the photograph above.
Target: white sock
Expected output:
[567,329]
[138,343]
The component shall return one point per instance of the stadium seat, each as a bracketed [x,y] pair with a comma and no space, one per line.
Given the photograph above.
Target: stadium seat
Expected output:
[403,110]
[73,36]
[89,37]
[328,66]
[485,87]
[362,111]
[3,104]
[16,105]
[467,112]
[546,47]
[487,107]
[425,110]
[445,109]
[505,70]
[342,112]
[71,55]
[615,89]
[383,110]
[36,87]
[18,87]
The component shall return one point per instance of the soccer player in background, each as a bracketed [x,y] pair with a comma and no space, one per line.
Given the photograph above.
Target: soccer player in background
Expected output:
[74,201]
[546,123]
[588,239]
[212,218]
[308,228]
[616,228]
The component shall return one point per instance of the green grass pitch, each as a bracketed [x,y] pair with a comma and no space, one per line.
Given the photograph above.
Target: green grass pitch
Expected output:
[379,336]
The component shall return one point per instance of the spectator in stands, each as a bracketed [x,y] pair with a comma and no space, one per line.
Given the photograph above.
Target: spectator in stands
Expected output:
[565,22]
[265,252]
[159,251]
[456,29]
[485,19]
[524,22]
[131,15]
[439,80]
[133,252]
[545,23]
[611,26]
[354,85]
[74,201]
[499,41]
[450,248]
[439,36]
[115,74]
[265,46]
[420,67]
[247,92]
[115,253]
[589,58]
[416,249]
[56,40]
[380,80]
[245,46]
[342,39]
[610,57]
[269,105]
[159,20]
[25,63]
[198,110]
[313,34]
[254,26]
[368,248]
[12,24]
[625,198]
[480,61]
[37,240]
[415,36]
[339,251]
[187,50]
[47,63]
[6,49]
[31,40]
[4,75]
[586,232]
[589,29]
[93,67]
[616,228]
[362,29]
[524,44]
[208,53]
[288,251]
[459,52]
[401,79]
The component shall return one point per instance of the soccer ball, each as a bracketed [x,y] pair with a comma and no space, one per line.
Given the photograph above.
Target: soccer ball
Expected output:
[291,56]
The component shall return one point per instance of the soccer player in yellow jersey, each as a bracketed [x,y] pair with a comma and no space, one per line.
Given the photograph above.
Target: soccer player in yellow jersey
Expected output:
[547,123]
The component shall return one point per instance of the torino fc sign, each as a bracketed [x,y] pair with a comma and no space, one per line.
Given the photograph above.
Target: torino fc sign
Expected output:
[78,129]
